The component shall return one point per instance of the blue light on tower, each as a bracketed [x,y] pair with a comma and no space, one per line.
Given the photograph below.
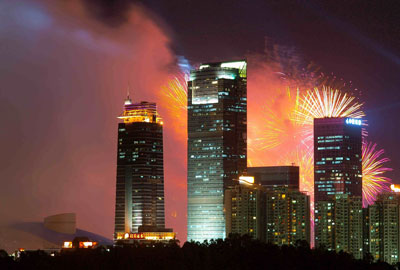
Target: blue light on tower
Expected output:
[352,121]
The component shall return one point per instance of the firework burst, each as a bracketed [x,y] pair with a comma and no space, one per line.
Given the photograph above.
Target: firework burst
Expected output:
[372,171]
[285,126]
[327,103]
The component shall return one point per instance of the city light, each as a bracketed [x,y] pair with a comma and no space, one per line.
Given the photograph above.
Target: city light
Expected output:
[293,126]
[67,244]
[201,164]
[395,188]
[351,121]
[140,112]
[161,236]
[87,244]
[248,180]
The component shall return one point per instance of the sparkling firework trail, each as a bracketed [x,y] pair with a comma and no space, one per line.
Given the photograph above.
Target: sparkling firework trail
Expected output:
[278,129]
[372,171]
[303,159]
[327,103]
[174,96]
[176,91]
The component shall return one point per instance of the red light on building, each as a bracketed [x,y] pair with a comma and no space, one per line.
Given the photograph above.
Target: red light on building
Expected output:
[87,244]
[136,236]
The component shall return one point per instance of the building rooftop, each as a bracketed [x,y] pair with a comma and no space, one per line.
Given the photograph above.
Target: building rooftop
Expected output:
[140,112]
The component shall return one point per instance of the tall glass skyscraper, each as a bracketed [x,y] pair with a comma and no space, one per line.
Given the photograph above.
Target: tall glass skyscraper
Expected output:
[337,157]
[140,170]
[338,184]
[217,151]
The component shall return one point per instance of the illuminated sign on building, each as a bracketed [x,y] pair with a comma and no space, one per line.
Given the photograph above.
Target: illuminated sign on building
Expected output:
[395,188]
[81,244]
[146,236]
[87,244]
[352,121]
[67,244]
[249,180]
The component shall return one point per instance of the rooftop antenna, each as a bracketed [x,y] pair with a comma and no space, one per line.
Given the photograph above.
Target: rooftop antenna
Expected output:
[128,100]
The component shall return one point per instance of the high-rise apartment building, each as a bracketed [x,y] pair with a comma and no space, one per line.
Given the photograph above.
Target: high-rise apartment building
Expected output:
[217,151]
[140,170]
[276,176]
[372,235]
[245,208]
[337,157]
[339,224]
[383,228]
[287,216]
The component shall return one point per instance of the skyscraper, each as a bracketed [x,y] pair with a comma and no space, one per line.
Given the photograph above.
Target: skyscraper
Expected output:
[140,170]
[217,151]
[337,157]
[338,184]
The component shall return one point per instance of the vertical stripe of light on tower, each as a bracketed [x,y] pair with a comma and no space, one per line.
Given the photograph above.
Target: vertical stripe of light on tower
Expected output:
[217,131]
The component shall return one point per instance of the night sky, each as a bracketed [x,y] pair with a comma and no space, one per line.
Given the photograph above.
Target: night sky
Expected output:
[65,67]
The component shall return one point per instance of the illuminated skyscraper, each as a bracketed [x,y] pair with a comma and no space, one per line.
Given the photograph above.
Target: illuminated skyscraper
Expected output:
[140,170]
[217,130]
[337,157]
[338,184]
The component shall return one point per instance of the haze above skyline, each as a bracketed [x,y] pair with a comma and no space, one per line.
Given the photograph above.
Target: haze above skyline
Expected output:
[65,67]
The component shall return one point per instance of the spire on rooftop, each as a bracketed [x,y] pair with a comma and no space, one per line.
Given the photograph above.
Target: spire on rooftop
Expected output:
[128,100]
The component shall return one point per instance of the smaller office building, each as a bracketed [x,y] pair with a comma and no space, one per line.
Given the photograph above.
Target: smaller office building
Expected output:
[276,176]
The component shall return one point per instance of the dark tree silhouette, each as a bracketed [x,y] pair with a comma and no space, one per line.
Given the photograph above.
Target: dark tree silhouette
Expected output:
[235,252]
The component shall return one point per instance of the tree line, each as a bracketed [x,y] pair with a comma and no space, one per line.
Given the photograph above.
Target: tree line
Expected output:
[235,252]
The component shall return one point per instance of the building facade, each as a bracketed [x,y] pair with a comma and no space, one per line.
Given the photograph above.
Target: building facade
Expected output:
[245,209]
[140,170]
[287,216]
[339,224]
[217,138]
[383,219]
[276,176]
[338,184]
[337,157]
